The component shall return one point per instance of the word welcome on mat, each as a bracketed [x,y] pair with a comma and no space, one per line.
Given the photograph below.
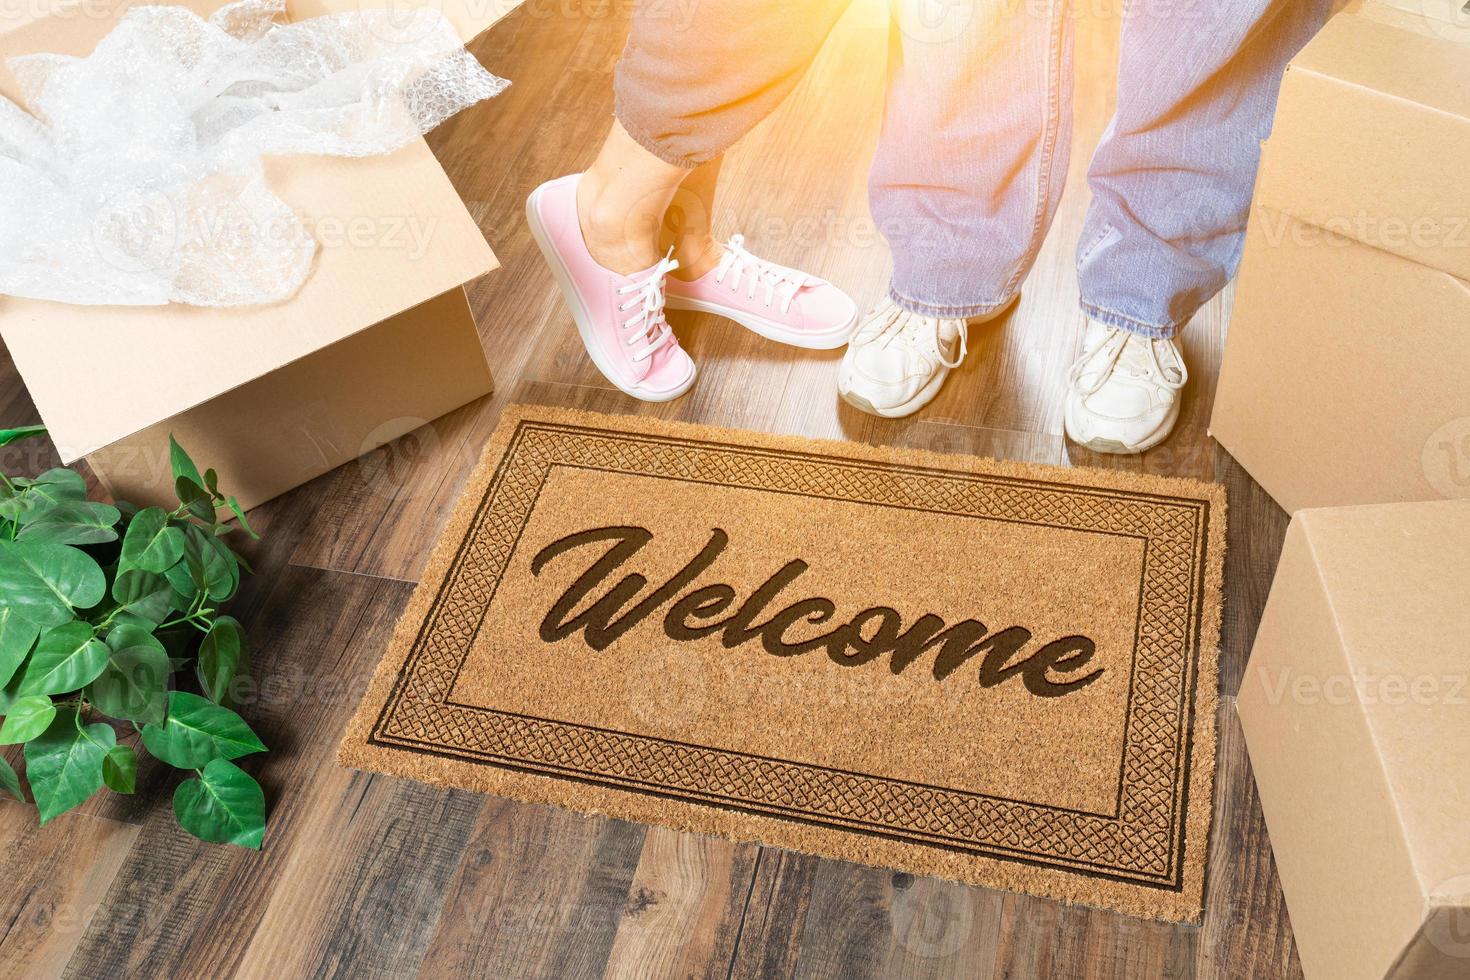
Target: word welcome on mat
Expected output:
[994,672]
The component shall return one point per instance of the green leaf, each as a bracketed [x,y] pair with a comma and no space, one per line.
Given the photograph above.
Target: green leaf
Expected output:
[183,466]
[219,657]
[45,582]
[9,694]
[222,569]
[13,503]
[239,513]
[51,488]
[151,543]
[74,522]
[120,769]
[145,595]
[17,636]
[27,718]
[67,657]
[184,579]
[134,684]
[223,806]
[195,499]
[211,483]
[209,566]
[35,498]
[64,764]
[7,436]
[9,781]
[124,618]
[196,731]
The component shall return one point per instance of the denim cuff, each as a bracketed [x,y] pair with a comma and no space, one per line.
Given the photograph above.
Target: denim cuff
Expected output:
[945,312]
[1122,321]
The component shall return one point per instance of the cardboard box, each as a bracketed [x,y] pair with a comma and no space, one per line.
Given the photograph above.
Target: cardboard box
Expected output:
[1346,374]
[1356,710]
[379,340]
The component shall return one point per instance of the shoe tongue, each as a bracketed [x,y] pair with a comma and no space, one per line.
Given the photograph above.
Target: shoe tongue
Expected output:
[1137,358]
[949,330]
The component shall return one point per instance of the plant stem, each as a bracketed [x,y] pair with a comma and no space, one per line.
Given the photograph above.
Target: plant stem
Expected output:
[196,609]
[81,707]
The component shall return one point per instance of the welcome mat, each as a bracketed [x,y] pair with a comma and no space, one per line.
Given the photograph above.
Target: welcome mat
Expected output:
[993,672]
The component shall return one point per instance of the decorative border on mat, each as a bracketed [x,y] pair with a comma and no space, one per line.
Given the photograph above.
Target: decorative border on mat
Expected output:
[1142,844]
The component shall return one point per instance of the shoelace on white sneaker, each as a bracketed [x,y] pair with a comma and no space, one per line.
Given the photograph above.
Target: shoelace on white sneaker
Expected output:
[1141,361]
[912,332]
[739,264]
[649,324]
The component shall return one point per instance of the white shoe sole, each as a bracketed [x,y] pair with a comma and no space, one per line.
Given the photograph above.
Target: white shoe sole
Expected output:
[769,329]
[922,397]
[569,292]
[1118,447]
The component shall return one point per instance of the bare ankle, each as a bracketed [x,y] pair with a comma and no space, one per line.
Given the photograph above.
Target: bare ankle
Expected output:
[616,239]
[697,256]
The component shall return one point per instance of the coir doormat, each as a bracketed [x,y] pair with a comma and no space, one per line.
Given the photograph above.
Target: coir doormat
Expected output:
[993,672]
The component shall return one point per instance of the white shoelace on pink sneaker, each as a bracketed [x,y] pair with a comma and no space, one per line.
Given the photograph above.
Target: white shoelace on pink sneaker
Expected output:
[648,325]
[778,281]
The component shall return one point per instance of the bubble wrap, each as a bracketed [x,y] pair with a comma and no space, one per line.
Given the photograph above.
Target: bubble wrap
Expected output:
[136,177]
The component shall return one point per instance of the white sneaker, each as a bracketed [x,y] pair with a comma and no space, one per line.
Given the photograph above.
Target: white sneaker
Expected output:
[1123,392]
[897,361]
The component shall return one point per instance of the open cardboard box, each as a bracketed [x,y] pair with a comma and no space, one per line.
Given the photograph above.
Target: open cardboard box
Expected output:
[379,341]
[1346,374]
[1356,711]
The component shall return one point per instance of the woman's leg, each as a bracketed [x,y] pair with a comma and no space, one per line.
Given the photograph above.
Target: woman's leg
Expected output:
[622,200]
[688,227]
[692,81]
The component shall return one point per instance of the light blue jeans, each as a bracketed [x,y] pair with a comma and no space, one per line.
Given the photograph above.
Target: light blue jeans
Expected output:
[977,129]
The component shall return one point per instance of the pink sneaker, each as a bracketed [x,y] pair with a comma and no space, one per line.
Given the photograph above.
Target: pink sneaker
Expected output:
[780,304]
[620,318]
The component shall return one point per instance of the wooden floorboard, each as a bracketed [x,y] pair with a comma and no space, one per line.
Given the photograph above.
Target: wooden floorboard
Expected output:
[687,900]
[541,893]
[55,878]
[366,875]
[769,943]
[182,907]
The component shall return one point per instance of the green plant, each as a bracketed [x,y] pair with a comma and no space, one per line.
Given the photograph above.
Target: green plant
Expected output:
[100,607]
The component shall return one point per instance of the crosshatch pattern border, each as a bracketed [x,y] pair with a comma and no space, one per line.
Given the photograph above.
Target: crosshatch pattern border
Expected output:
[1142,843]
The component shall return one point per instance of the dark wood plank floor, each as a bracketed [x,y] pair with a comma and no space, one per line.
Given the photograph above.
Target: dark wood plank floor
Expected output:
[366,875]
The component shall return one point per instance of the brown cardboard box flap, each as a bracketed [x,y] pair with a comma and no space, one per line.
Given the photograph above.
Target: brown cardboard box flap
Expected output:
[1351,312]
[1354,709]
[1397,578]
[392,233]
[1372,141]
